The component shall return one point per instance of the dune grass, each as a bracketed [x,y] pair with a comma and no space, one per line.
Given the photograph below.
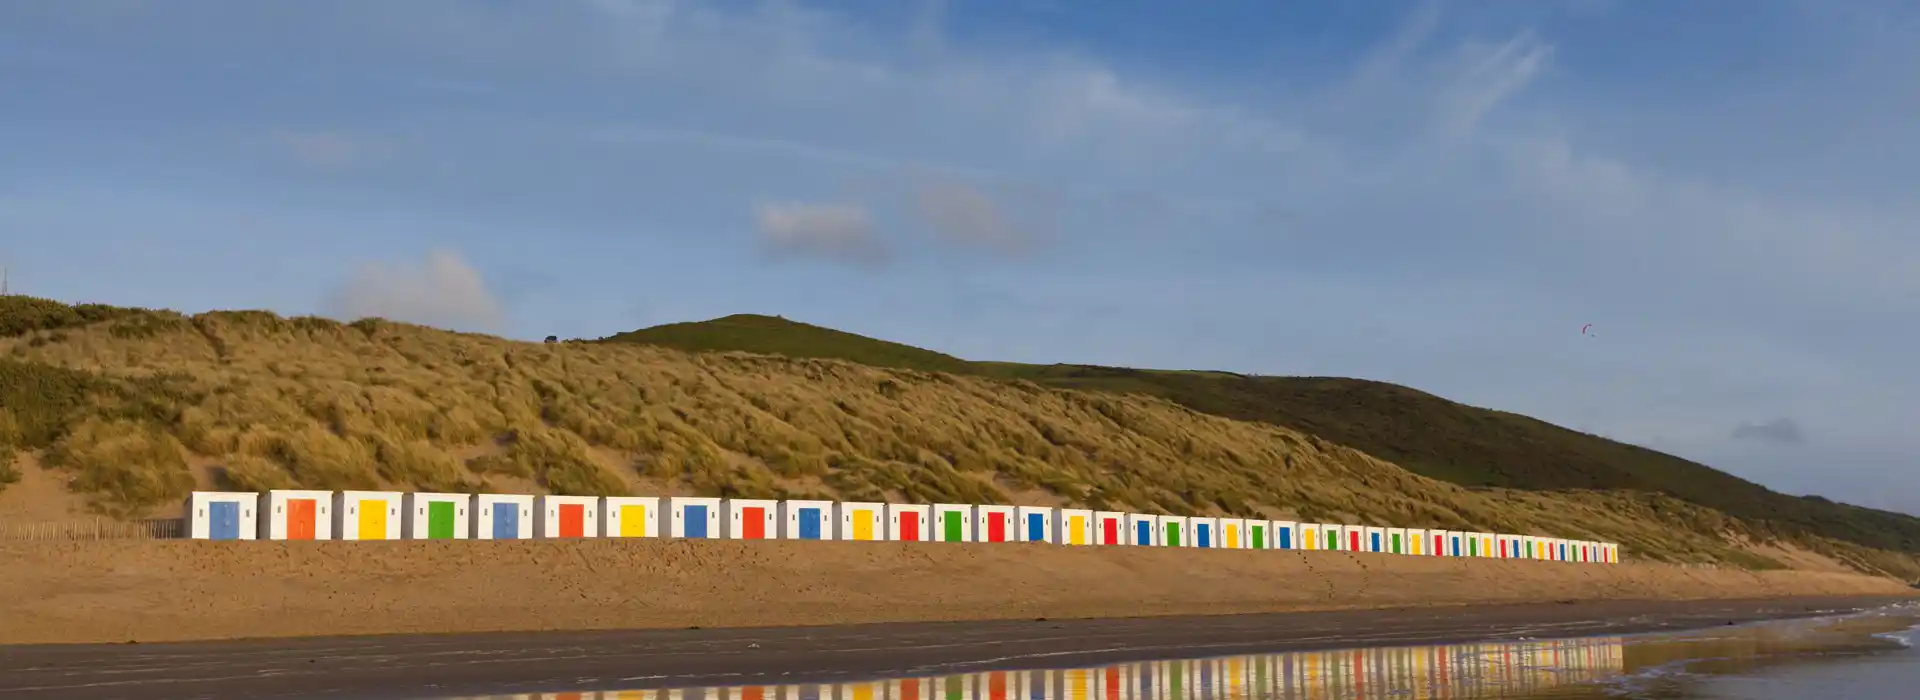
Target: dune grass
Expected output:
[129,404]
[1424,433]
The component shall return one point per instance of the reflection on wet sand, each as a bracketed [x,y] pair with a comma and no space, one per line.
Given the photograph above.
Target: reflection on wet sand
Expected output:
[1485,670]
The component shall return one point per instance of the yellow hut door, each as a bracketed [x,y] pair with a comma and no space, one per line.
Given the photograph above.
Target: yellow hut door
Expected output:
[373,519]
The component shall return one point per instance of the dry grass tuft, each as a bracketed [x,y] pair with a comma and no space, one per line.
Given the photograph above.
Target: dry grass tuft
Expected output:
[125,467]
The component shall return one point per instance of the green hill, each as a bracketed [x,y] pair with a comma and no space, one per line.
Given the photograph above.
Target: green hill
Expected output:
[771,335]
[1426,434]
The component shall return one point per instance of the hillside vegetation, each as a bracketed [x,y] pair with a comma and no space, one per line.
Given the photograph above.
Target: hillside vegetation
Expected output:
[137,407]
[1424,433]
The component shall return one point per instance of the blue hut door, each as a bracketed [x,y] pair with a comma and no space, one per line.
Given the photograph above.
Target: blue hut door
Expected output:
[1285,535]
[809,523]
[1036,527]
[1203,535]
[1143,533]
[696,517]
[1376,541]
[223,521]
[506,521]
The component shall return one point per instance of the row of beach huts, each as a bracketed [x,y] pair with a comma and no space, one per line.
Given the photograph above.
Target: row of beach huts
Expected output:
[391,515]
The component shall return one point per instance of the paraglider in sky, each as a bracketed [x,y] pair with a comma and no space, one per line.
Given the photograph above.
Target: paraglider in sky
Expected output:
[1583,330]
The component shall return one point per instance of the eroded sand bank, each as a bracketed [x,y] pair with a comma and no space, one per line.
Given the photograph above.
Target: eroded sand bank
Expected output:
[182,590]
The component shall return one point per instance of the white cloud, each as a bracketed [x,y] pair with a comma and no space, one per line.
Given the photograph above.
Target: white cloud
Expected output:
[440,290]
[842,232]
[964,215]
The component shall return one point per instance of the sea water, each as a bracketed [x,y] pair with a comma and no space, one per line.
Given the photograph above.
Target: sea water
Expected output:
[1862,656]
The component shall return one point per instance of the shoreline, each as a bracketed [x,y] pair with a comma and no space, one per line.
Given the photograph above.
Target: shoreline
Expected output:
[448,665]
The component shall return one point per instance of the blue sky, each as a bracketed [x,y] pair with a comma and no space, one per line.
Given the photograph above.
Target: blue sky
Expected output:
[1431,193]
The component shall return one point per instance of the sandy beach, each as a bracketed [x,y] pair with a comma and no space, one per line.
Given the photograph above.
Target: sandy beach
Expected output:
[155,591]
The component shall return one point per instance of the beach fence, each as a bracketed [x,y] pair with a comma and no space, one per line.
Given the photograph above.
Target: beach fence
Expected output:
[96,529]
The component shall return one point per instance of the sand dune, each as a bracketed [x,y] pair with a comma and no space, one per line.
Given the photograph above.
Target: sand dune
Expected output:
[180,590]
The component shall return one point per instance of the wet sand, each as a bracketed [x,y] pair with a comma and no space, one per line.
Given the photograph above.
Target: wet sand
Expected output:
[155,591]
[381,667]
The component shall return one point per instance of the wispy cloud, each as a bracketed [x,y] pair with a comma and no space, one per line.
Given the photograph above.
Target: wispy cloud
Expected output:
[327,150]
[963,215]
[1783,431]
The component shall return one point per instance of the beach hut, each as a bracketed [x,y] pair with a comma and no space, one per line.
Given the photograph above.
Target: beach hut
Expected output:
[995,524]
[1613,553]
[1233,533]
[1075,527]
[1206,532]
[1173,531]
[806,520]
[1259,534]
[1143,529]
[223,515]
[1376,539]
[694,518]
[1109,527]
[862,690]
[566,517]
[908,522]
[1356,538]
[1456,544]
[1486,544]
[866,522]
[750,519]
[1310,536]
[1416,542]
[1335,536]
[1396,540]
[367,515]
[1286,534]
[436,516]
[1036,523]
[1566,549]
[903,689]
[502,516]
[629,516]
[952,522]
[296,515]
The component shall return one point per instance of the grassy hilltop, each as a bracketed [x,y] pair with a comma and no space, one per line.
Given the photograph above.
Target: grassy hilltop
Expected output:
[133,408]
